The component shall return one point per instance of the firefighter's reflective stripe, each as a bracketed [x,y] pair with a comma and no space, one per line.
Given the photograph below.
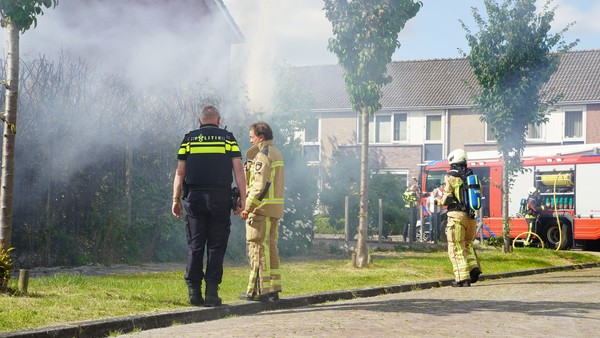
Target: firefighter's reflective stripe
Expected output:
[273,201]
[456,186]
[275,279]
[264,257]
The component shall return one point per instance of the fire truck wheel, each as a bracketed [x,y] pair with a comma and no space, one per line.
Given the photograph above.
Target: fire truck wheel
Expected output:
[553,236]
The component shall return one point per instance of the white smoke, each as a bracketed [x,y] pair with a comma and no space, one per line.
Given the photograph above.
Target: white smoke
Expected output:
[278,32]
[153,43]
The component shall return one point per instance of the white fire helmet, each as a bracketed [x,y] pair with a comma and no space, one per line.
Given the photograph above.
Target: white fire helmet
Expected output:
[457,156]
[532,190]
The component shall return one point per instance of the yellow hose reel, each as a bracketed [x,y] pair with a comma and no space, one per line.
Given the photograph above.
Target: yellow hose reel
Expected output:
[559,180]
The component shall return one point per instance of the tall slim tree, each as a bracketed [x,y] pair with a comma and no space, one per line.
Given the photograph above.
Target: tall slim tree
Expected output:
[513,55]
[365,35]
[17,17]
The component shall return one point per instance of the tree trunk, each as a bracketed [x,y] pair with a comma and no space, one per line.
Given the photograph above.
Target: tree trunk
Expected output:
[128,180]
[8,142]
[507,247]
[363,221]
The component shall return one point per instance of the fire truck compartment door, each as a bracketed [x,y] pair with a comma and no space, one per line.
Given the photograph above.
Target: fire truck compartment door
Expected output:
[522,183]
[587,190]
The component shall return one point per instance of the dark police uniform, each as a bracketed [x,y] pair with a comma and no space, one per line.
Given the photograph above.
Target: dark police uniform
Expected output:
[208,153]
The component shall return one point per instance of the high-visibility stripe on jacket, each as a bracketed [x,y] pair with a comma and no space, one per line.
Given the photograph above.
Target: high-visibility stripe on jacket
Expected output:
[265,180]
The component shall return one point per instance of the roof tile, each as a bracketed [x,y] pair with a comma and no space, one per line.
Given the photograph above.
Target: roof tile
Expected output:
[445,83]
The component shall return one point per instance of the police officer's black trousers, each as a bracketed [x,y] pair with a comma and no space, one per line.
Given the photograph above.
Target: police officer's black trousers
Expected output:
[208,224]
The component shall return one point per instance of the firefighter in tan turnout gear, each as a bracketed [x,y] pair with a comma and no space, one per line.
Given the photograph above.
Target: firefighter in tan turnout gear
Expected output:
[264,209]
[462,225]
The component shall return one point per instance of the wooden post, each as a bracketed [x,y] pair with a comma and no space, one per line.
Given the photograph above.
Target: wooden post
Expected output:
[23,280]
[380,221]
[346,221]
[412,227]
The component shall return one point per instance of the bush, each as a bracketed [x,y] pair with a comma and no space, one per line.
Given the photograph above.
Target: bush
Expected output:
[326,225]
[342,180]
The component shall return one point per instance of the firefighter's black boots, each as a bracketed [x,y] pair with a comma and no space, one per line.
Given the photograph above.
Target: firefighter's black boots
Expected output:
[212,295]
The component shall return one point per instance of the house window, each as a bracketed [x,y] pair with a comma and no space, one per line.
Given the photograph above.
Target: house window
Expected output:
[489,133]
[400,127]
[433,130]
[432,150]
[402,175]
[380,129]
[383,129]
[534,132]
[311,147]
[311,132]
[573,124]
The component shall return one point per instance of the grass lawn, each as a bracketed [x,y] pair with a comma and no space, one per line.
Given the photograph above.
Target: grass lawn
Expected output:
[64,298]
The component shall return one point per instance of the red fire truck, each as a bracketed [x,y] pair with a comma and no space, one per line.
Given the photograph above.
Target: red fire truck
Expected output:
[569,186]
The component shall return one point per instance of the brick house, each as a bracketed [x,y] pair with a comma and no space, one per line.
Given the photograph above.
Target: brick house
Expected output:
[426,112]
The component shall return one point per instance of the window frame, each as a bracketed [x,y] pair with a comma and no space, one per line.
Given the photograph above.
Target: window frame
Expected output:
[541,132]
[427,129]
[581,122]
[394,123]
[373,128]
[489,135]
[316,143]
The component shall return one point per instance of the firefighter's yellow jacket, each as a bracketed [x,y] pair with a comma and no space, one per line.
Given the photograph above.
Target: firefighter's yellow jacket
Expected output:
[265,180]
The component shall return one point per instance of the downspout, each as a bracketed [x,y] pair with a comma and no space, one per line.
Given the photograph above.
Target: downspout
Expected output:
[446,144]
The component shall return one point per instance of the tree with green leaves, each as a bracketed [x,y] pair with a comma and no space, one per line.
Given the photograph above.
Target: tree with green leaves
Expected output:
[512,56]
[365,35]
[16,17]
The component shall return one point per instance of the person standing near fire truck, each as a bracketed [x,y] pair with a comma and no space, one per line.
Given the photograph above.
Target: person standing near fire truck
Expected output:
[433,209]
[534,208]
[263,210]
[462,225]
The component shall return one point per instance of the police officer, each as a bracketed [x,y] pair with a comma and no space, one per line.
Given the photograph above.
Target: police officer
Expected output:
[462,225]
[263,210]
[206,159]
[534,208]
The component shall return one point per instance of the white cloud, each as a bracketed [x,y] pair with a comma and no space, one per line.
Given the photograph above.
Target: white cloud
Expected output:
[586,17]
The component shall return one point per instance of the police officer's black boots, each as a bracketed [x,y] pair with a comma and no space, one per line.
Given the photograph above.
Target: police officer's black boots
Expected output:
[212,295]
[195,293]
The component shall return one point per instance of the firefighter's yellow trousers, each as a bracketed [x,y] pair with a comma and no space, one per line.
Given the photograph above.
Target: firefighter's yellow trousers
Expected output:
[262,235]
[460,233]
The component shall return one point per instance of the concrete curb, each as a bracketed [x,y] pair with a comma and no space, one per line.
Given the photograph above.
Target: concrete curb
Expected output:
[126,324]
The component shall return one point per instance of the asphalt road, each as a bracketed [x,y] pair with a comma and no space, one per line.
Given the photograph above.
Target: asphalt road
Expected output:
[555,304]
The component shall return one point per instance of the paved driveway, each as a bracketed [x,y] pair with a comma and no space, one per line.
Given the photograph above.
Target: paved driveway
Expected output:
[556,304]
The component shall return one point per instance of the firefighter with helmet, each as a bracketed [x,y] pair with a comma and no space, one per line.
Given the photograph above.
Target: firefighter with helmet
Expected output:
[534,208]
[461,226]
